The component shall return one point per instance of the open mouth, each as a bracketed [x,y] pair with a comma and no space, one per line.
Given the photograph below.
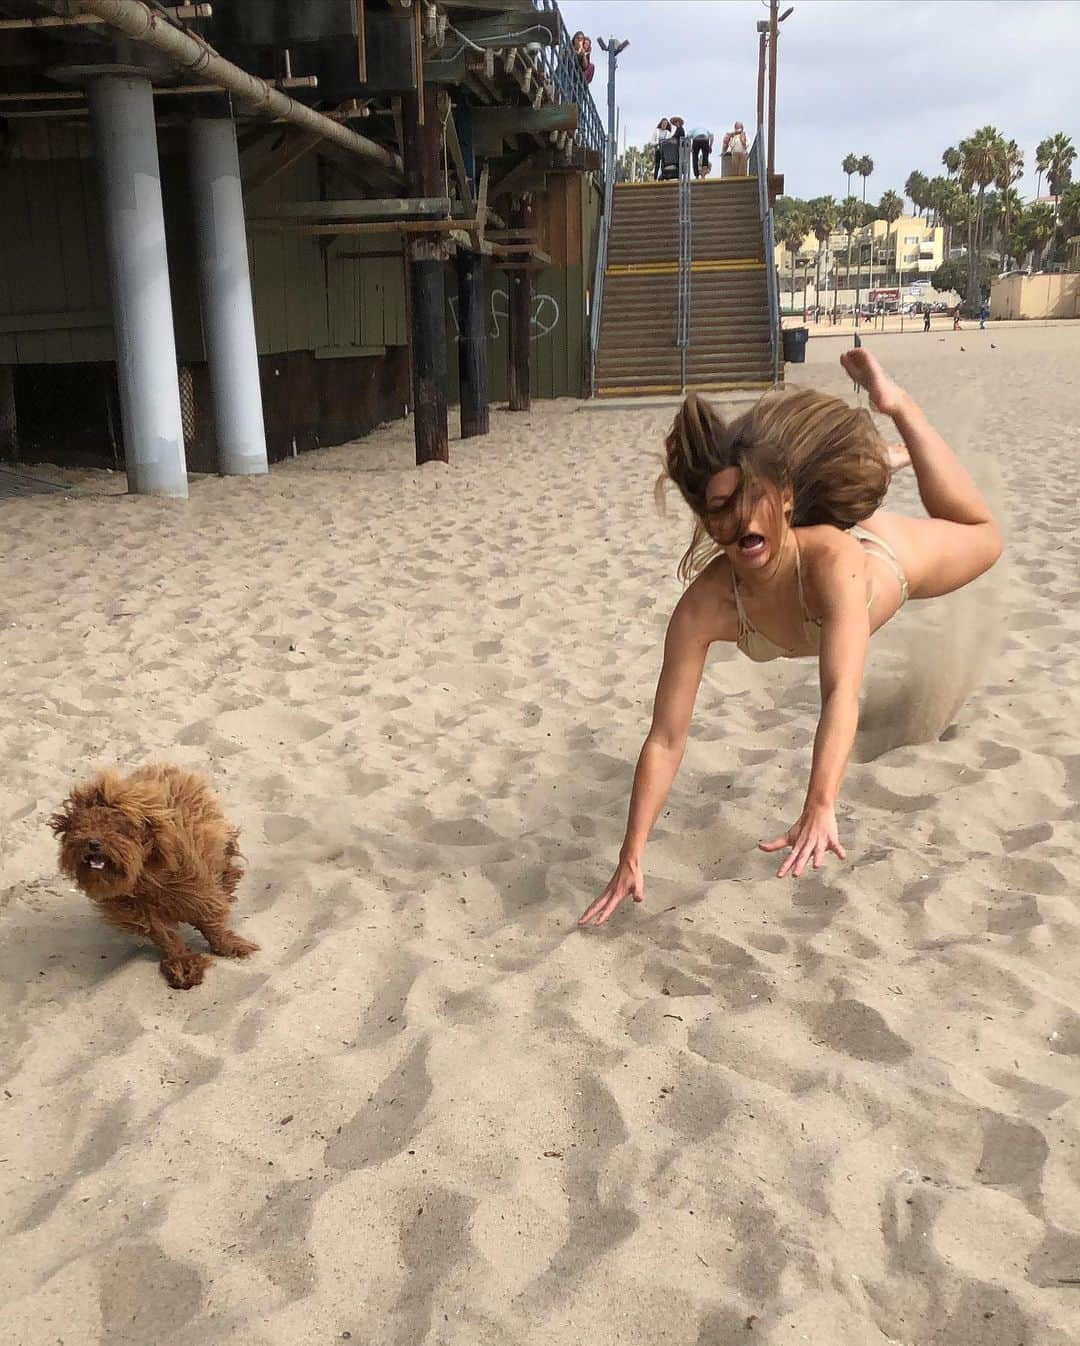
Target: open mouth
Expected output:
[96,862]
[751,545]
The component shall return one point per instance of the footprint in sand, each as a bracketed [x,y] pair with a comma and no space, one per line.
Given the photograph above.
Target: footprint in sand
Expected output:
[280,828]
[857,1030]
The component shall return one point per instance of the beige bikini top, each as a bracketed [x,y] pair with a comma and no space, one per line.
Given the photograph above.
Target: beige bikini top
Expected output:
[757,646]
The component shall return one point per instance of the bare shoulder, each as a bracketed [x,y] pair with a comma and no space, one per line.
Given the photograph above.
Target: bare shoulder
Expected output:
[832,559]
[706,611]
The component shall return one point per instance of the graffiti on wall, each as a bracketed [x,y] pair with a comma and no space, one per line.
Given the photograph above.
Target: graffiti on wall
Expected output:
[545,315]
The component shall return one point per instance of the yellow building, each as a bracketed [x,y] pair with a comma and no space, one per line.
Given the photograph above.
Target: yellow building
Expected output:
[921,249]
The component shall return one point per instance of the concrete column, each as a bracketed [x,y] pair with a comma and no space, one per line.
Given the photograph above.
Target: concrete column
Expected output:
[122,110]
[225,295]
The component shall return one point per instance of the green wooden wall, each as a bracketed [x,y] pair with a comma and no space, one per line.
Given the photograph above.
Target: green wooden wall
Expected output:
[310,294]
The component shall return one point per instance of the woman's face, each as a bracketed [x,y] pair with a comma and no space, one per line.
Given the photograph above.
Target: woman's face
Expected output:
[750,543]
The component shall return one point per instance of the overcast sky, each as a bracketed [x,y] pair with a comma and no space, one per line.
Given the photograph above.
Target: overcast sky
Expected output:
[899,80]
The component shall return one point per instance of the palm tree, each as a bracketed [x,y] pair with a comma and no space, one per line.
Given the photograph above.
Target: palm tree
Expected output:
[981,152]
[1069,208]
[865,168]
[950,205]
[793,229]
[1059,161]
[951,161]
[850,214]
[1012,206]
[1038,224]
[890,208]
[1010,170]
[916,188]
[1042,163]
[822,218]
[850,166]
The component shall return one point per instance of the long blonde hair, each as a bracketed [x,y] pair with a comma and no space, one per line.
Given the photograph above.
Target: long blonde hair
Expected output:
[828,454]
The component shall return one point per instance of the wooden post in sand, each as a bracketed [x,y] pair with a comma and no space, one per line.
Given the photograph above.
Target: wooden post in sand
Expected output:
[472,344]
[426,262]
[520,317]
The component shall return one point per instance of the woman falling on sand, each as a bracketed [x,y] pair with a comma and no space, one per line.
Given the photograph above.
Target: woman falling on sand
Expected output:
[792,557]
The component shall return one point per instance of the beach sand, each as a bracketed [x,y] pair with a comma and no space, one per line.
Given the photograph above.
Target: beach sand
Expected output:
[840,1111]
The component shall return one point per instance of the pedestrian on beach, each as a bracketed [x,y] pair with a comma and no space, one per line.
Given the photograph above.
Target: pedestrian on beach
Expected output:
[984,313]
[956,319]
[926,319]
[734,143]
[791,557]
[701,143]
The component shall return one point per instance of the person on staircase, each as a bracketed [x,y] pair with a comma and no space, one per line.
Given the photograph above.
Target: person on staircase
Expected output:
[663,132]
[701,143]
[735,145]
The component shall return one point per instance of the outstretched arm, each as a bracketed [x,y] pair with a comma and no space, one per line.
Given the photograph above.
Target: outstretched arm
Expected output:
[845,634]
[684,661]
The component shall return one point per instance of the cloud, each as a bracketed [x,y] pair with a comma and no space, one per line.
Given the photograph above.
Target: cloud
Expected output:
[899,80]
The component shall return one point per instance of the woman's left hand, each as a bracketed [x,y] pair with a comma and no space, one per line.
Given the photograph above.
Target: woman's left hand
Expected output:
[809,841]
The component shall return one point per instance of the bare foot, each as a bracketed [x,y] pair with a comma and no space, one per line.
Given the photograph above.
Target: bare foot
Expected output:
[184,970]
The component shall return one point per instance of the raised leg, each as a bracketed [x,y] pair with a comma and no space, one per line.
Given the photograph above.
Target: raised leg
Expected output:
[214,926]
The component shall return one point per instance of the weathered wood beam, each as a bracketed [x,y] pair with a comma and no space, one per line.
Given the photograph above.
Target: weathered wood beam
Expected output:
[341,227]
[391,208]
[532,165]
[495,124]
[279,161]
[456,157]
[514,8]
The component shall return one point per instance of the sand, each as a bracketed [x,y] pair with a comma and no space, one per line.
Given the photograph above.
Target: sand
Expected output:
[840,1111]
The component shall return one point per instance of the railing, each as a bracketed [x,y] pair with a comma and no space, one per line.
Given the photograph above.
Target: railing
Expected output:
[686,251]
[561,65]
[768,243]
[597,296]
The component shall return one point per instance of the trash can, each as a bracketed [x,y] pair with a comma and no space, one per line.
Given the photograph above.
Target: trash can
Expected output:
[795,345]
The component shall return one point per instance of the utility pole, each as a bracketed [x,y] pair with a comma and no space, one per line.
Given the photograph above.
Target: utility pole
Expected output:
[614,47]
[763,38]
[774,28]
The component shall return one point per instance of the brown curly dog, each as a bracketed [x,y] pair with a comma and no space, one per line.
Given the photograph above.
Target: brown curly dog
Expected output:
[152,850]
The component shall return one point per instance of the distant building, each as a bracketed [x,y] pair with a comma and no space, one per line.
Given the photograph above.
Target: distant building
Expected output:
[919,246]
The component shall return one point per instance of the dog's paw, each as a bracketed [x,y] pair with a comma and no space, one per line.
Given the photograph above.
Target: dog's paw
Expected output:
[233,946]
[185,971]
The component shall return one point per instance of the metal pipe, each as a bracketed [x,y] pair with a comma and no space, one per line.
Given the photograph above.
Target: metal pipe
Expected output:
[137,21]
[197,11]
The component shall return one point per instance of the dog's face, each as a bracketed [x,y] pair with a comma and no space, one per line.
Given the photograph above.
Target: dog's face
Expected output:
[106,834]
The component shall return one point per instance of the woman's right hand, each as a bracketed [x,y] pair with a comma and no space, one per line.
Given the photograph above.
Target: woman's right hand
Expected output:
[864,369]
[627,881]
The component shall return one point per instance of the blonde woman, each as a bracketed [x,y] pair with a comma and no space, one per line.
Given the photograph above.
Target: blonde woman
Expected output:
[792,557]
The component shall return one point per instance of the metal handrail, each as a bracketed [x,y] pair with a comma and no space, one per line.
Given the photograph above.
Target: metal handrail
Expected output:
[686,248]
[597,298]
[768,243]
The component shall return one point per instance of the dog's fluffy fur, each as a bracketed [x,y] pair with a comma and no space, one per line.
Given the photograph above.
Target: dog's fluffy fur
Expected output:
[152,850]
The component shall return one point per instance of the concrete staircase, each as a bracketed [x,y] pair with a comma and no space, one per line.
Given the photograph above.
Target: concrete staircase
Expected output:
[729,308]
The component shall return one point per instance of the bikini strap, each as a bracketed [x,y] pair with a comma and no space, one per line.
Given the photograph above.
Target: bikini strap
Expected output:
[798,579]
[744,622]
